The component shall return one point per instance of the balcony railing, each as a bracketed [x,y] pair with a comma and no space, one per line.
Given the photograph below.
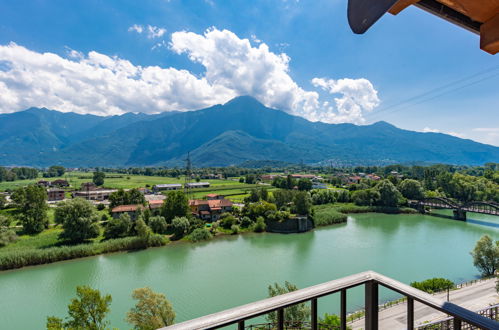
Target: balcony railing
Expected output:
[370,280]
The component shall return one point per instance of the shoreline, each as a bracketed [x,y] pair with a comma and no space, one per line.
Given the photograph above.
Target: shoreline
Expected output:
[29,253]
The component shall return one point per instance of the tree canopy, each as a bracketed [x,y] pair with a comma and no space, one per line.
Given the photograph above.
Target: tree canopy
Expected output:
[486,255]
[152,310]
[32,208]
[79,220]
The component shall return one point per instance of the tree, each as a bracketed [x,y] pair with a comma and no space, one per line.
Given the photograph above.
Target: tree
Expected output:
[142,230]
[175,205]
[411,189]
[180,226]
[54,171]
[98,178]
[118,227]
[79,220]
[152,310]
[6,235]
[122,197]
[293,315]
[366,197]
[389,195]
[3,201]
[87,311]
[158,224]
[303,203]
[486,255]
[32,208]
[200,234]
[304,184]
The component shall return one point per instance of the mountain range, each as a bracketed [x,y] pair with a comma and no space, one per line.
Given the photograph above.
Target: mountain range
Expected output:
[239,131]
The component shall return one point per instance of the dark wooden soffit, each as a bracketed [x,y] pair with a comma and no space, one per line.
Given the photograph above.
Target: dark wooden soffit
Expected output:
[477,16]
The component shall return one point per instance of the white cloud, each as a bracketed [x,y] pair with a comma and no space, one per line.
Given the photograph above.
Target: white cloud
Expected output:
[137,28]
[357,96]
[101,84]
[152,32]
[488,135]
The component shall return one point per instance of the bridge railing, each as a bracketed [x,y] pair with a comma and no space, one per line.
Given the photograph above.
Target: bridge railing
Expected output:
[371,282]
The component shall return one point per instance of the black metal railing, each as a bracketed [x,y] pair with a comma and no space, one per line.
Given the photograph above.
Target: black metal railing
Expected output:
[371,282]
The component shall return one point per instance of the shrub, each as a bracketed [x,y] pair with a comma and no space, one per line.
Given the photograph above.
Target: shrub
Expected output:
[158,224]
[433,285]
[118,227]
[234,229]
[200,234]
[260,225]
[101,207]
[246,222]
[180,226]
[227,221]
[7,236]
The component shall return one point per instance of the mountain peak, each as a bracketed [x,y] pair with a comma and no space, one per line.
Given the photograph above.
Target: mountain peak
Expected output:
[244,100]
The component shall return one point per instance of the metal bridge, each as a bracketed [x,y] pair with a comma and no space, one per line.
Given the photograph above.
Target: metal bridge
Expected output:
[491,208]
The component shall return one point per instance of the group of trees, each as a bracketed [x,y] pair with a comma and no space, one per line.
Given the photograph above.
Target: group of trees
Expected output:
[90,308]
[290,183]
[54,171]
[18,173]
[122,197]
[384,193]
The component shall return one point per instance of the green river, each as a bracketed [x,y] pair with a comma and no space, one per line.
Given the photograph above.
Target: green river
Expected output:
[208,277]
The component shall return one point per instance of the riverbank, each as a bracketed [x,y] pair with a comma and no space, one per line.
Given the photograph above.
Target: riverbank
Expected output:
[45,248]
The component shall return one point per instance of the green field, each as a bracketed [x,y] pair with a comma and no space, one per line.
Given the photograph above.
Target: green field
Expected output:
[114,180]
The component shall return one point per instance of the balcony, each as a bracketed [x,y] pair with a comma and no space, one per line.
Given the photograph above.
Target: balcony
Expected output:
[461,317]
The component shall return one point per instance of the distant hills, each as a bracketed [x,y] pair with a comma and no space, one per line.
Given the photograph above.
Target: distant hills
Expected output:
[240,131]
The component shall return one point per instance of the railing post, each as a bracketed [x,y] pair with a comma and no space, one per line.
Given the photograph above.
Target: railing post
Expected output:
[457,324]
[240,325]
[371,299]
[410,313]
[343,310]
[314,314]
[280,319]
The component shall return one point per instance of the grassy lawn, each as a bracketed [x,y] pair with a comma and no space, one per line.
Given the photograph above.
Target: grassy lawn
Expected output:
[115,180]
[45,239]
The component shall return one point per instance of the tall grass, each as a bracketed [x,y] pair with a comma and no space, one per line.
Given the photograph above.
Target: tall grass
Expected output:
[21,258]
[328,216]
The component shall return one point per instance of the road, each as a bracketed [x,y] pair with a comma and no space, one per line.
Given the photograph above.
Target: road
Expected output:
[474,297]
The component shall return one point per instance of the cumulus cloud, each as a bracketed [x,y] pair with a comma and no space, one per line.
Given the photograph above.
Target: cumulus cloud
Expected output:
[152,32]
[101,84]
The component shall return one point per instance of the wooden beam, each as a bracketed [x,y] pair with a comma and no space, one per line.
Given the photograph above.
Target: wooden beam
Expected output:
[401,5]
[489,35]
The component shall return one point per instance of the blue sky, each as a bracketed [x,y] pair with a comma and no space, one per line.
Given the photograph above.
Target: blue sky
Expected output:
[327,72]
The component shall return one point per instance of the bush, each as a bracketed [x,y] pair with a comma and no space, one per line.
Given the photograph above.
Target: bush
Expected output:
[433,285]
[234,229]
[260,225]
[246,222]
[118,227]
[7,236]
[101,207]
[200,234]
[158,224]
[227,221]
[180,226]
[17,259]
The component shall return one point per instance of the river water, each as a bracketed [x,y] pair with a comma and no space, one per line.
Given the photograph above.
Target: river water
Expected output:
[211,276]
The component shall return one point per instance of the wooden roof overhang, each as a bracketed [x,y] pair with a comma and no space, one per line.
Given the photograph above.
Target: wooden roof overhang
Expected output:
[478,16]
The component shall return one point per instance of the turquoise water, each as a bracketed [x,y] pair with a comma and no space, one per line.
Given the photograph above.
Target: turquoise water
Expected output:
[208,277]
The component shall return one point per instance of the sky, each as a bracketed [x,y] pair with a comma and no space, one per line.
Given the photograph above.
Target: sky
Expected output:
[108,57]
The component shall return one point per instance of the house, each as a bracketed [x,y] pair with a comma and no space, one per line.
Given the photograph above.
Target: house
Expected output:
[44,183]
[212,176]
[88,186]
[60,183]
[155,204]
[210,210]
[55,194]
[353,179]
[268,177]
[373,177]
[131,210]
[94,195]
[194,185]
[166,186]
[214,196]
